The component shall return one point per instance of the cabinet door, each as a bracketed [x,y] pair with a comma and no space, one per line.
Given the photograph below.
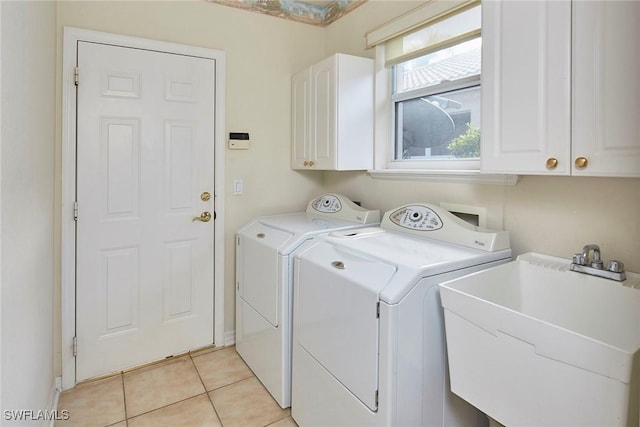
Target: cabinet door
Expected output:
[300,119]
[323,113]
[526,52]
[606,91]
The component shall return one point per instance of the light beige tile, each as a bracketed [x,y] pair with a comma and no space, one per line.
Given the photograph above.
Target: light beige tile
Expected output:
[194,412]
[221,368]
[160,385]
[120,424]
[205,350]
[246,403]
[285,422]
[98,403]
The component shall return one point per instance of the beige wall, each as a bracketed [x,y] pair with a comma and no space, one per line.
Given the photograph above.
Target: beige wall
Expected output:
[261,54]
[552,215]
[27,226]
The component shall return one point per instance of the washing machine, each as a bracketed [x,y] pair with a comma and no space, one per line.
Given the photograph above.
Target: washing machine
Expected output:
[368,339]
[264,274]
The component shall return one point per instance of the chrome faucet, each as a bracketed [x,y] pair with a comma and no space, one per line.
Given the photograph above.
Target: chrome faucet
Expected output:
[582,263]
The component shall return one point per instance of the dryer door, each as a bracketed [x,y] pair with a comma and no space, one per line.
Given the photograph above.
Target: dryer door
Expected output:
[259,270]
[336,314]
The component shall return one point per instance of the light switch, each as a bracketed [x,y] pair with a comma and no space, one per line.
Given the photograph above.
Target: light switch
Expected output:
[238,187]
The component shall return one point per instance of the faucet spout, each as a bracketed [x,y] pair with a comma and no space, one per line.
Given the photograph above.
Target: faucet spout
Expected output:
[596,261]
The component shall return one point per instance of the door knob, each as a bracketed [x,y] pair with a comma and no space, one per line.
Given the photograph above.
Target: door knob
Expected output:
[204,217]
[206,196]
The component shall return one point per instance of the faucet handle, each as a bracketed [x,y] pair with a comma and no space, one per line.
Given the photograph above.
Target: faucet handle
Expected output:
[596,262]
[579,259]
[615,266]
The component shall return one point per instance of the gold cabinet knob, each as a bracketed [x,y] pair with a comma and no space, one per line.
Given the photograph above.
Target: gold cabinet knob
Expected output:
[552,163]
[581,162]
[205,197]
[204,217]
[306,163]
[311,163]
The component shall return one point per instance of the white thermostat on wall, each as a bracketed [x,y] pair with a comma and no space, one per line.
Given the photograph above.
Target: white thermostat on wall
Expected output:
[239,141]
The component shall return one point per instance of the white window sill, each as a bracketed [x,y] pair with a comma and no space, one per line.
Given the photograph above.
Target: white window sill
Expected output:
[451,176]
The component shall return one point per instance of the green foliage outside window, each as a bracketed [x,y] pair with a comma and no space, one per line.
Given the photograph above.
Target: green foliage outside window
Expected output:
[466,145]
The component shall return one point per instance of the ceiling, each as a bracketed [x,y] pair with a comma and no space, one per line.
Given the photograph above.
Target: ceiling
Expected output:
[313,12]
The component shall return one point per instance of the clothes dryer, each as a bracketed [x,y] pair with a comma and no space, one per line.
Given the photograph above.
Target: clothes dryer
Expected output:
[264,274]
[368,342]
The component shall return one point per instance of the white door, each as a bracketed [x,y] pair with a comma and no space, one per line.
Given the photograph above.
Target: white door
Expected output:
[145,158]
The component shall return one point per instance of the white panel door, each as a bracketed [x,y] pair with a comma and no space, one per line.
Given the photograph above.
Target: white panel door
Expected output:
[323,112]
[606,87]
[145,154]
[300,119]
[526,71]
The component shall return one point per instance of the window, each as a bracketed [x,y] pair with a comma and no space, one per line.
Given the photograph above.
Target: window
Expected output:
[432,61]
[436,105]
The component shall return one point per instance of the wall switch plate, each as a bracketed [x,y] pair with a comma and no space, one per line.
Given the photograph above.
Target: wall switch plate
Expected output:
[238,187]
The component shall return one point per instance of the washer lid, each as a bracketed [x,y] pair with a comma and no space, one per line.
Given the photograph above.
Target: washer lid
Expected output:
[300,226]
[412,257]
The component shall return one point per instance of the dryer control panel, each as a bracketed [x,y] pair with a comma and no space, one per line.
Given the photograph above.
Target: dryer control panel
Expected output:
[337,206]
[327,203]
[434,222]
[416,217]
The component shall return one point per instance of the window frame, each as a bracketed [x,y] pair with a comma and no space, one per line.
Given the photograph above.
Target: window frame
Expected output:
[385,167]
[429,164]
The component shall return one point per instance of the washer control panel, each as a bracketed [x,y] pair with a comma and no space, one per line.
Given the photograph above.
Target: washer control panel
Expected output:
[430,221]
[338,207]
[416,217]
[327,204]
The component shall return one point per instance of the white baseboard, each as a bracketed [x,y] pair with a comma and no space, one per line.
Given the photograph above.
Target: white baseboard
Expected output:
[54,397]
[229,338]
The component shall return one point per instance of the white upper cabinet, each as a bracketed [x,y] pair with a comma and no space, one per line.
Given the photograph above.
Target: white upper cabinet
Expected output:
[526,69]
[556,102]
[606,87]
[332,115]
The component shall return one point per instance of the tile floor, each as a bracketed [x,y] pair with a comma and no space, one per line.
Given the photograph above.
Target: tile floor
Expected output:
[206,388]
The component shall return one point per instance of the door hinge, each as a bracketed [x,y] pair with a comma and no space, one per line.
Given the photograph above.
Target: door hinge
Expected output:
[377,310]
[76,73]
[75,211]
[377,394]
[75,346]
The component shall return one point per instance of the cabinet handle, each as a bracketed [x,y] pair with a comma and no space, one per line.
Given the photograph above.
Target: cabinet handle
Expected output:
[306,163]
[552,163]
[311,163]
[581,162]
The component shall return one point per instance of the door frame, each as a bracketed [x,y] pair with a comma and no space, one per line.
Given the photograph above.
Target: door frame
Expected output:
[68,174]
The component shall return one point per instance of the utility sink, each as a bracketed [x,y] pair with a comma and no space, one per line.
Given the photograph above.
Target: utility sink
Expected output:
[531,343]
